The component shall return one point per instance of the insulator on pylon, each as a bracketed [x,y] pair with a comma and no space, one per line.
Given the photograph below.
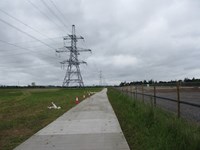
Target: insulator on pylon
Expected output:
[73,69]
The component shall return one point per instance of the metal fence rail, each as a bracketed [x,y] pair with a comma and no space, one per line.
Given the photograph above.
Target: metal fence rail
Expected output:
[169,99]
[136,91]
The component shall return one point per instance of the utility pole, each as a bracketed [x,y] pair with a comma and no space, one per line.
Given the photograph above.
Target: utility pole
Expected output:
[73,74]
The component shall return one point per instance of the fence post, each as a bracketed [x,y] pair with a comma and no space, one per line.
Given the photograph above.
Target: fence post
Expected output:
[178,100]
[132,92]
[142,93]
[136,92]
[151,101]
[154,96]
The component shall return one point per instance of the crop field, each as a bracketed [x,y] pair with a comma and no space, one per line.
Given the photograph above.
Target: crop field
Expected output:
[24,111]
[187,94]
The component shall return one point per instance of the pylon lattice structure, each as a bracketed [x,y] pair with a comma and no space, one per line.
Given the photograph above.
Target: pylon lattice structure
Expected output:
[100,78]
[73,75]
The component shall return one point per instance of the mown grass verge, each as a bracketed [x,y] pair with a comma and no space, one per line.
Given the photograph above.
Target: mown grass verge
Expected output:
[23,112]
[147,128]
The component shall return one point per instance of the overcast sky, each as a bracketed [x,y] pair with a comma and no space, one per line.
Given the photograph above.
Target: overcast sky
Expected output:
[130,40]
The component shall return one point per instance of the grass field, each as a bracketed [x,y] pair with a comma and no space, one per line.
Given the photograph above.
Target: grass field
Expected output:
[147,128]
[24,111]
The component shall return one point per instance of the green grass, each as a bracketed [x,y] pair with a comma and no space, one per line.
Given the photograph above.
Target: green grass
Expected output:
[147,128]
[24,111]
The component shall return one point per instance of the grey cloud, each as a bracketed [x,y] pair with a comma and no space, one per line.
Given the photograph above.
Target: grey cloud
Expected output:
[130,39]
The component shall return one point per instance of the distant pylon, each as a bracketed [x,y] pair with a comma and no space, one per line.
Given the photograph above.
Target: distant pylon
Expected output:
[73,75]
[100,78]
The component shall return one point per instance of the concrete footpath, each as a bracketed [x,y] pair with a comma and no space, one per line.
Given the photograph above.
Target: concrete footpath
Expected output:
[91,125]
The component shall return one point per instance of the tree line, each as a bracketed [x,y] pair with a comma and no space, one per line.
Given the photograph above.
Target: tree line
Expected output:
[186,81]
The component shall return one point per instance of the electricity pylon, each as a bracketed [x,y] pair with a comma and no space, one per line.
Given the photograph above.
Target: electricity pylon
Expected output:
[100,78]
[73,75]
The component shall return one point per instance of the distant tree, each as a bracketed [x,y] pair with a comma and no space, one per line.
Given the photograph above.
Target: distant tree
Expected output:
[144,82]
[187,80]
[151,81]
[180,81]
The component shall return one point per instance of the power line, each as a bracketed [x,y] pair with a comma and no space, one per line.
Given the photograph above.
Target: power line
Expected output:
[25,24]
[19,53]
[21,64]
[34,46]
[26,33]
[27,48]
[47,6]
[49,18]
[33,41]
[14,54]
[20,61]
[57,9]
[23,48]
[30,66]
[38,46]
[60,12]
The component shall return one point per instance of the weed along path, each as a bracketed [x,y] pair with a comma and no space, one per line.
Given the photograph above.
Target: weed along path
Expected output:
[91,125]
